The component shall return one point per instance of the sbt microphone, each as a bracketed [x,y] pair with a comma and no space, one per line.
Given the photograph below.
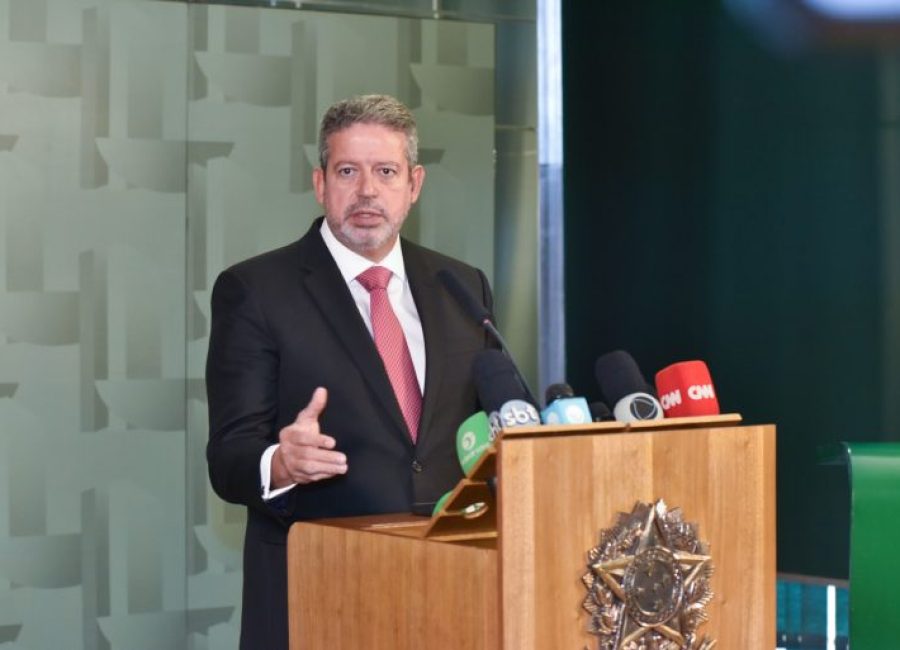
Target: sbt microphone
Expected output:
[563,407]
[501,392]
[473,438]
[686,389]
[623,385]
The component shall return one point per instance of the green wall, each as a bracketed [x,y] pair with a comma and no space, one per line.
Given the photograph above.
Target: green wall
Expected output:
[730,201]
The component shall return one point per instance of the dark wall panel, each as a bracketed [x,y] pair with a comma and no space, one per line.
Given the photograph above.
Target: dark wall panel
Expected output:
[722,203]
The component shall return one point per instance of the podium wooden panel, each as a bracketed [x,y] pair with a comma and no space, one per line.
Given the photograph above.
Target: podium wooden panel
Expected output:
[380,583]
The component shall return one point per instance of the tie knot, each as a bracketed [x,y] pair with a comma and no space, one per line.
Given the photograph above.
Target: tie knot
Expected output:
[374,277]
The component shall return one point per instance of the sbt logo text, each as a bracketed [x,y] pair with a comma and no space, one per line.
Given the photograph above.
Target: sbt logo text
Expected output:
[514,413]
[695,392]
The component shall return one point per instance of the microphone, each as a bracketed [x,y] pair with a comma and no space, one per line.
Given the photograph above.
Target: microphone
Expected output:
[440,503]
[464,297]
[600,412]
[563,407]
[685,389]
[623,385]
[502,392]
[479,313]
[473,438]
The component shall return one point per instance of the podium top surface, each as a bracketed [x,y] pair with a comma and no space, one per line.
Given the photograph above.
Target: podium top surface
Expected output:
[400,523]
[724,419]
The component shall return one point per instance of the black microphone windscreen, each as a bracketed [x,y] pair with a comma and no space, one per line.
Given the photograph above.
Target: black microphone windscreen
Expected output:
[463,296]
[618,375]
[557,391]
[600,412]
[496,380]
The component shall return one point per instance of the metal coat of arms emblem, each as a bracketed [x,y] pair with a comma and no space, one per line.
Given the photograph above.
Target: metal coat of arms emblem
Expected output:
[648,582]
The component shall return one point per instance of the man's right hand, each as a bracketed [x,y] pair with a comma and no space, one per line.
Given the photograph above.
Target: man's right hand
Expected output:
[304,453]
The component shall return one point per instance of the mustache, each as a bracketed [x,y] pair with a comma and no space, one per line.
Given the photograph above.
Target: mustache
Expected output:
[364,205]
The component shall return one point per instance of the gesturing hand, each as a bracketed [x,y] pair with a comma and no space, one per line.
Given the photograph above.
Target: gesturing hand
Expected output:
[304,453]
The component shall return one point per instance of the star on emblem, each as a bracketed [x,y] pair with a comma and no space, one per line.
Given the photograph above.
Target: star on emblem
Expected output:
[648,582]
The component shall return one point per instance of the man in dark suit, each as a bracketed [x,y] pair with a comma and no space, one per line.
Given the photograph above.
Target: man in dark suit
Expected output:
[319,406]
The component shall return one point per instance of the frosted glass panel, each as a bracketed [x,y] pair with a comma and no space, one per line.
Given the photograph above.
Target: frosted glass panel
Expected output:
[92,361]
[144,146]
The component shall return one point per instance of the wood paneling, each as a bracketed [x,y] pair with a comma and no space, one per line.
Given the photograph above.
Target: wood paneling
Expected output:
[377,583]
[558,493]
[381,588]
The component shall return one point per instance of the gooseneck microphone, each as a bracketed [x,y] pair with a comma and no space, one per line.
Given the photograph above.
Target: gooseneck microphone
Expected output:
[480,314]
[464,297]
[502,392]
[623,385]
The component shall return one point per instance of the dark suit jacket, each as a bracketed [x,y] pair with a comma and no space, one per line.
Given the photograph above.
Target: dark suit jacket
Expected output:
[284,323]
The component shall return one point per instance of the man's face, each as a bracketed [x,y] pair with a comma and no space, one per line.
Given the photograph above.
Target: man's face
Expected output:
[367,188]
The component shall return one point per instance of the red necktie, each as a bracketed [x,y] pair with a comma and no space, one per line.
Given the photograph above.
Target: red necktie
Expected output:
[392,347]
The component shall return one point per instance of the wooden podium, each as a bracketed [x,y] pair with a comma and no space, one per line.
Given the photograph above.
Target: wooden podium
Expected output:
[508,574]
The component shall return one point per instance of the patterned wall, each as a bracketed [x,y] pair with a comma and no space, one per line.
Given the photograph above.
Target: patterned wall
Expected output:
[92,354]
[144,146]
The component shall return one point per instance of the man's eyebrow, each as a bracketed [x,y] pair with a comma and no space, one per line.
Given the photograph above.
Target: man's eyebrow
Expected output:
[377,163]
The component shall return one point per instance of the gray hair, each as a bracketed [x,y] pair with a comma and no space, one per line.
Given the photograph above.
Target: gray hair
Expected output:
[369,109]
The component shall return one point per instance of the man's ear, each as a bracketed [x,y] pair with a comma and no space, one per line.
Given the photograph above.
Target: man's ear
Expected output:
[318,179]
[416,179]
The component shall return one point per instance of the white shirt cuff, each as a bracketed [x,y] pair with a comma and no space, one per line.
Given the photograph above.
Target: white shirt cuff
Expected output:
[265,475]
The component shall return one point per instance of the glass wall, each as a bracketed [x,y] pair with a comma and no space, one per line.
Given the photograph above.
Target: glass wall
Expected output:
[92,324]
[144,146]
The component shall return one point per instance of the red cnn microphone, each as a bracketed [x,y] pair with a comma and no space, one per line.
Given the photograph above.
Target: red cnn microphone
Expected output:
[685,389]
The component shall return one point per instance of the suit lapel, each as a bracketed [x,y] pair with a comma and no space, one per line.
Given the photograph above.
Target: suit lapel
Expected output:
[327,288]
[427,295]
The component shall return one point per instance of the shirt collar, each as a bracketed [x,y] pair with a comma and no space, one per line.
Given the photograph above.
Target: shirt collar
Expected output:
[351,264]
